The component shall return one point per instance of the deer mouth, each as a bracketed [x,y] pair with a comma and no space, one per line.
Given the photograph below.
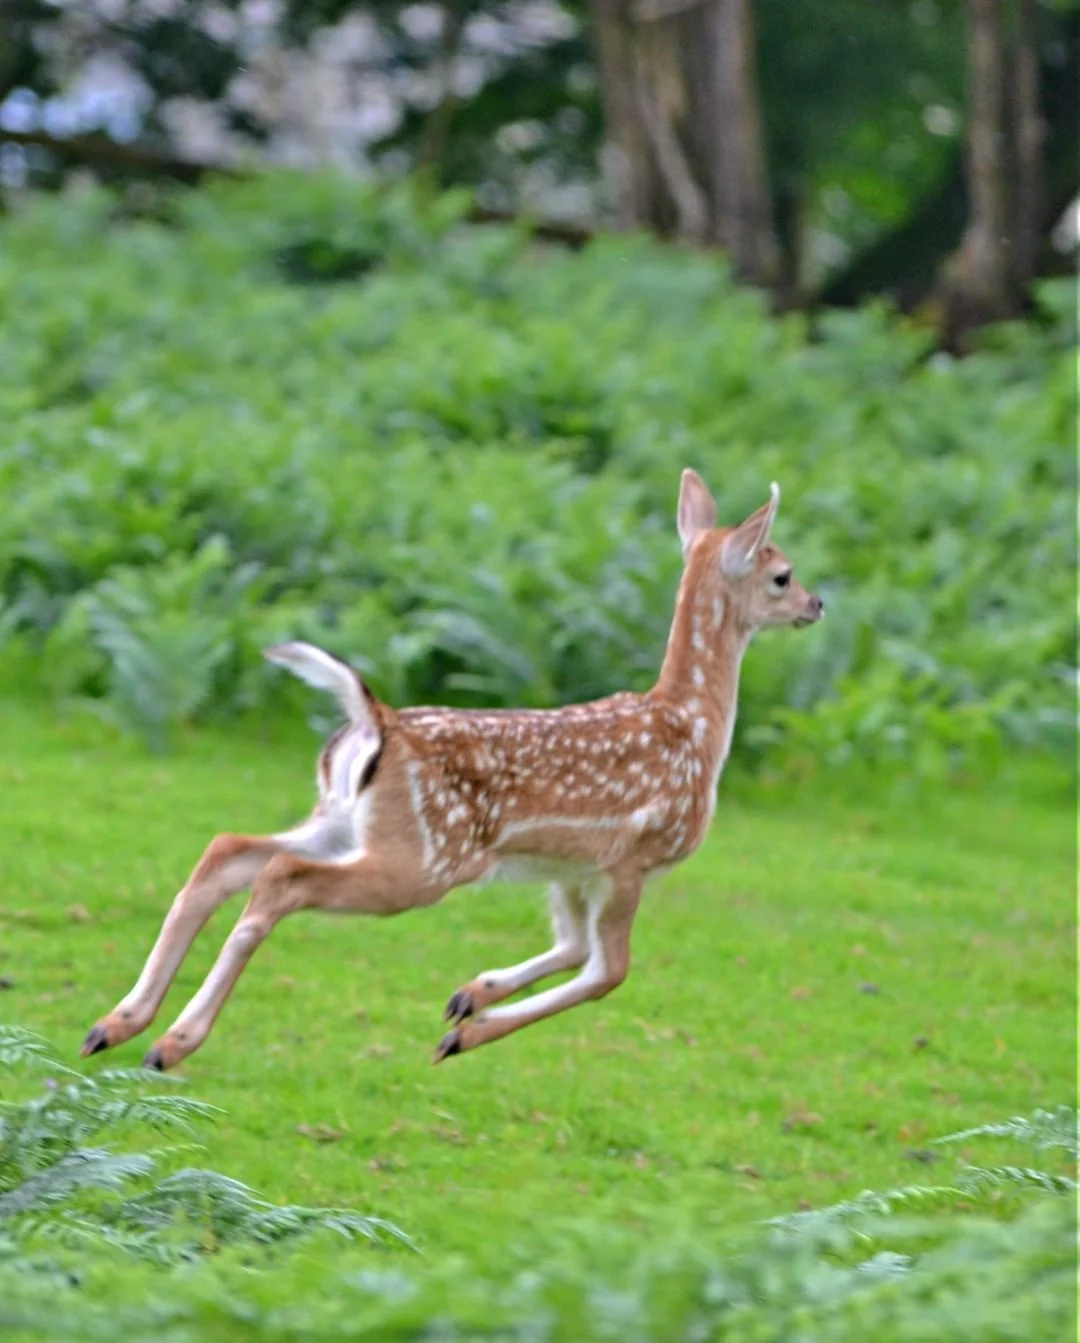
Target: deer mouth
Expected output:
[811,613]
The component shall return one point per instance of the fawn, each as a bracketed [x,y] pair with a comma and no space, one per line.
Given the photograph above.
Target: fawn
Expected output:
[593,798]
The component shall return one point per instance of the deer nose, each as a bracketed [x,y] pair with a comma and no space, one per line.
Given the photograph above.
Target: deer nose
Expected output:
[818,607]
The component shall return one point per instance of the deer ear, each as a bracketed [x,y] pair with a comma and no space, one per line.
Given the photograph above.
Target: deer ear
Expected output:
[697,511]
[741,547]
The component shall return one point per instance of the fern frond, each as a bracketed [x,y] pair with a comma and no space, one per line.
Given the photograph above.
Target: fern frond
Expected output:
[21,1048]
[870,1203]
[76,1171]
[58,1182]
[978,1179]
[233,1211]
[1043,1129]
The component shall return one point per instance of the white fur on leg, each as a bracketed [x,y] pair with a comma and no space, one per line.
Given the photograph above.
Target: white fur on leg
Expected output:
[568,952]
[594,973]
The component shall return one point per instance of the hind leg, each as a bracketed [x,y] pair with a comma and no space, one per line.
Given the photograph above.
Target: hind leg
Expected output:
[569,951]
[287,884]
[229,864]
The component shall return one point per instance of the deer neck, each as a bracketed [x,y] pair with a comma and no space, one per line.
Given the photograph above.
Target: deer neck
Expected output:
[704,654]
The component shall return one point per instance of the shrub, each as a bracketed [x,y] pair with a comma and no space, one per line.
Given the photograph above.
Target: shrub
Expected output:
[59,1185]
[898,1267]
[453,457]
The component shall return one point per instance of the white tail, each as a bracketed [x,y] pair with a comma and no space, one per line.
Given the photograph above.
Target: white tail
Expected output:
[326,672]
[593,798]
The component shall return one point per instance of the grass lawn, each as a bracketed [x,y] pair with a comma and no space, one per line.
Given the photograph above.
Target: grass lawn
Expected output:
[839,975]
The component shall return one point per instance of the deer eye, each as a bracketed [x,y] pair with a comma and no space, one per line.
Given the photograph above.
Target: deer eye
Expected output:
[782,580]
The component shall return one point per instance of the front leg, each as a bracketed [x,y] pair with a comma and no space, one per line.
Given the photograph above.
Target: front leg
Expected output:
[609,918]
[569,952]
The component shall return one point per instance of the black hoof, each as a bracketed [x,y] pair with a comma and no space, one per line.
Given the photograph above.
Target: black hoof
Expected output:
[95,1042]
[459,1007]
[154,1060]
[449,1044]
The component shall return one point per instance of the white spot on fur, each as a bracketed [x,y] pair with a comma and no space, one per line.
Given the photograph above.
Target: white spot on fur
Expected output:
[642,818]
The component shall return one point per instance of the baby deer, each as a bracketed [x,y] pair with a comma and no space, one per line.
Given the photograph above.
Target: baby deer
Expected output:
[593,798]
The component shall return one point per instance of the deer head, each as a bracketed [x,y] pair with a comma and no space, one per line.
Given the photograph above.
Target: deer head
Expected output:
[748,579]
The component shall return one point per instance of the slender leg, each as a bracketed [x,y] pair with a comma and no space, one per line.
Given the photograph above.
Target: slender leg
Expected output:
[285,885]
[569,951]
[609,920]
[229,864]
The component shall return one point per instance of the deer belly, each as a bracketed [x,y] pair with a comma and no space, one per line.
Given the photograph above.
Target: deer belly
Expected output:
[525,867]
[564,848]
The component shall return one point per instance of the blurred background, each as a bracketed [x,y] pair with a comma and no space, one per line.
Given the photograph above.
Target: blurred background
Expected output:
[392,325]
[912,147]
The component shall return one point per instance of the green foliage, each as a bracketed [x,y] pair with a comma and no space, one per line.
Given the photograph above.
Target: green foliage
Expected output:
[606,1176]
[832,137]
[59,1185]
[828,1276]
[1043,1130]
[459,470]
[155,639]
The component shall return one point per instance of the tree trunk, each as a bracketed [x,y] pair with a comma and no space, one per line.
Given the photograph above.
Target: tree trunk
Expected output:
[435,136]
[683,122]
[735,158]
[976,282]
[1029,133]
[630,166]
[906,263]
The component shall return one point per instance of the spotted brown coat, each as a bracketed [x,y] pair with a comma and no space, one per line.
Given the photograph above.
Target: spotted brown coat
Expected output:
[593,798]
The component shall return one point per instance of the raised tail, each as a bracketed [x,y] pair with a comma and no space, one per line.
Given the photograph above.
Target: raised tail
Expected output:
[326,672]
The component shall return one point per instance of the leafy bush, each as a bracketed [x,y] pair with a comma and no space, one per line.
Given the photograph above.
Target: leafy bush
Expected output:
[988,1281]
[457,466]
[857,1270]
[58,1185]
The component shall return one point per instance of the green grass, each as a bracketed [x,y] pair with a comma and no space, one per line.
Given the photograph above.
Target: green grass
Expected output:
[839,975]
